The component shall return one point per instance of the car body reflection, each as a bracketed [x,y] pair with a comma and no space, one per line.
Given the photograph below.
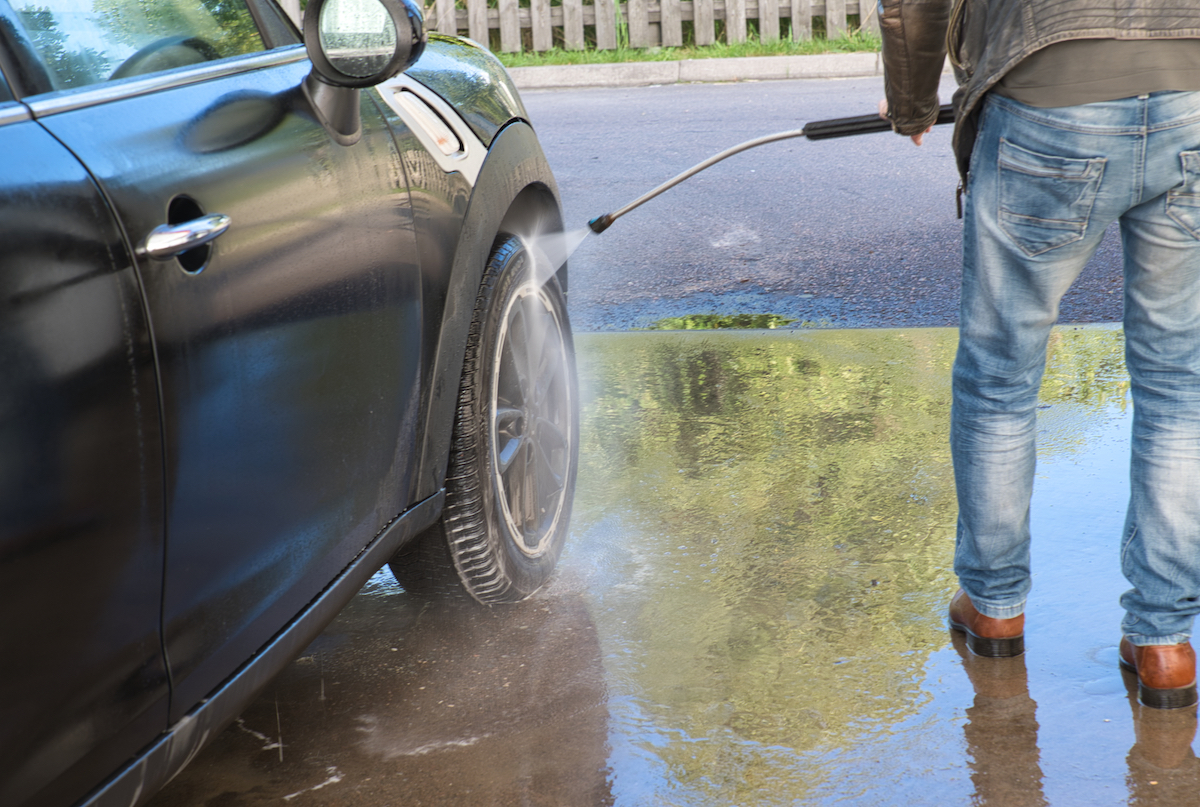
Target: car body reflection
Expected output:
[424,700]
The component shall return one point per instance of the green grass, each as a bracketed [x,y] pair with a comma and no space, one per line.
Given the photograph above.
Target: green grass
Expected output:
[699,322]
[856,41]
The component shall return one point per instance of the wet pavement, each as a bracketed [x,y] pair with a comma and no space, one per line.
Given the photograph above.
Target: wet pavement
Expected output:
[844,233]
[750,611]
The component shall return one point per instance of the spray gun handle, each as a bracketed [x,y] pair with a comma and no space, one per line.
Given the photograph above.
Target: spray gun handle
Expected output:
[862,124]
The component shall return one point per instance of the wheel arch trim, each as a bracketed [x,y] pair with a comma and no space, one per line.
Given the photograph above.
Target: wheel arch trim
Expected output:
[515,169]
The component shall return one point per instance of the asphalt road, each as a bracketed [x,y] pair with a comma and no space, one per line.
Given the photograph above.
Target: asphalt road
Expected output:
[855,232]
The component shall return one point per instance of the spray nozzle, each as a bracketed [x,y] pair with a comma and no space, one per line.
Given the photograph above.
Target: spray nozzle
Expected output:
[601,223]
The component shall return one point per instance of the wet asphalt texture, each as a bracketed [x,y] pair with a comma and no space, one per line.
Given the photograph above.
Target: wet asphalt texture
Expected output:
[855,232]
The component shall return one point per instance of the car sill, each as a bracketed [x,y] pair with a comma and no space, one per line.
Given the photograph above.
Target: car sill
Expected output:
[168,755]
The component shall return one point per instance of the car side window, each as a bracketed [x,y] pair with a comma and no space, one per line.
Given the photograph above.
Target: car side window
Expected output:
[84,42]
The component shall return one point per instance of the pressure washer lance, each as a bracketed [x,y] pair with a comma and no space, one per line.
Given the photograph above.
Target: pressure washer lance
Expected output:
[814,130]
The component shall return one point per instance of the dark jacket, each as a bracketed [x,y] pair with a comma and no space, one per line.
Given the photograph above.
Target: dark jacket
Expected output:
[987,38]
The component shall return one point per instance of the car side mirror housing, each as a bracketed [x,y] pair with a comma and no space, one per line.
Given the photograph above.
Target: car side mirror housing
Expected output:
[354,44]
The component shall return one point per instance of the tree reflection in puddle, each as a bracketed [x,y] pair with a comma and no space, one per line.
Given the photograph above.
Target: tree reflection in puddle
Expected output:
[767,524]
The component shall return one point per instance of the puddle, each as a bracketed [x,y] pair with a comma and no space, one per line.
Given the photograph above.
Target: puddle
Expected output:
[750,611]
[768,520]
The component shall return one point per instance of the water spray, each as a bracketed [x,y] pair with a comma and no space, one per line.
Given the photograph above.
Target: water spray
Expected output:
[814,130]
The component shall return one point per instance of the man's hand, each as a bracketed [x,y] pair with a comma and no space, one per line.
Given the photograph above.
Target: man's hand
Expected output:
[917,139]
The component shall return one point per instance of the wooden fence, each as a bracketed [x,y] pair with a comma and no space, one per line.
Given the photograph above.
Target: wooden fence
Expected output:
[575,25]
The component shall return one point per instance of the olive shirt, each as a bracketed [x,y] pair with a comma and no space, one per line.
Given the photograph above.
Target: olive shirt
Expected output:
[1084,71]
[986,38]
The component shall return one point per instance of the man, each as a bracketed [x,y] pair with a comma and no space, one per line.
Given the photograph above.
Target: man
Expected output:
[1072,114]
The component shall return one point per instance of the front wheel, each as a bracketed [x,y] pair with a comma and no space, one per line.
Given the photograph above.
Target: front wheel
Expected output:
[515,449]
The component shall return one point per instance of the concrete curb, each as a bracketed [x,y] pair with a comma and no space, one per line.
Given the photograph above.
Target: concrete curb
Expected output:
[749,68]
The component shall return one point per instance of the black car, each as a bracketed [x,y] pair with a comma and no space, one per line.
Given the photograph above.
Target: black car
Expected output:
[271,317]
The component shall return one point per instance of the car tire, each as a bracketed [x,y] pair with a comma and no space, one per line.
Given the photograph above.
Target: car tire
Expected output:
[515,447]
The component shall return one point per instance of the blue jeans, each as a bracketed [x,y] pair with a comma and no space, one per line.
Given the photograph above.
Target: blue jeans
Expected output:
[1044,185]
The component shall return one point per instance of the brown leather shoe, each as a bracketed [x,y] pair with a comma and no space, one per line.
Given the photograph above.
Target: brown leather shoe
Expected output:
[1166,673]
[986,636]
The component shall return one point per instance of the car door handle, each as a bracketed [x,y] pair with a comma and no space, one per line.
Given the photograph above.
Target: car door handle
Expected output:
[168,240]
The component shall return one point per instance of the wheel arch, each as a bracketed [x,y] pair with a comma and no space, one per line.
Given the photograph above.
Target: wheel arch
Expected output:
[515,195]
[535,210]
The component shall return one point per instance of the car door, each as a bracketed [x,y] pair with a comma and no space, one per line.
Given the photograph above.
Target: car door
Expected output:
[287,347]
[81,528]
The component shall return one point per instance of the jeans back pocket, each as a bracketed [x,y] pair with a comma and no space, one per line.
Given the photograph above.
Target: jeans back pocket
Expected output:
[1045,201]
[1183,202]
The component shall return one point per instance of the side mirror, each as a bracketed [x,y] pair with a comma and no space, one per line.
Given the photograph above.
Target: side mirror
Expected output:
[354,44]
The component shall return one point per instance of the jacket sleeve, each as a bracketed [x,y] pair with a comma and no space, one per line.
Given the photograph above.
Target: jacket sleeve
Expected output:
[914,53]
